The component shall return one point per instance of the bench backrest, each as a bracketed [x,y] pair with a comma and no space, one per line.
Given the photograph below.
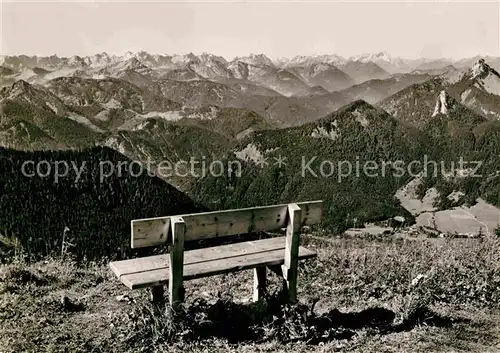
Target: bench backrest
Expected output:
[156,231]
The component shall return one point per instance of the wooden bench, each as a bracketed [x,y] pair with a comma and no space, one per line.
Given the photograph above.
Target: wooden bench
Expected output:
[281,253]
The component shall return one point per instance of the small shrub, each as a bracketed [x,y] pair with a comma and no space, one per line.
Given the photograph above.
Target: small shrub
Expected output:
[10,247]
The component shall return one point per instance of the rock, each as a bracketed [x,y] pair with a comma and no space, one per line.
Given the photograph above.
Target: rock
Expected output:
[123,298]
[68,305]
[321,306]
[418,279]
[65,301]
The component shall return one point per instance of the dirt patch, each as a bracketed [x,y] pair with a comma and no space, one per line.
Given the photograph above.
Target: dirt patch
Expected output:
[409,199]
[16,276]
[371,229]
[482,218]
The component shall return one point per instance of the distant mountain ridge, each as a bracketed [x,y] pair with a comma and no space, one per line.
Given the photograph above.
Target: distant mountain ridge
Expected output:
[76,110]
[384,59]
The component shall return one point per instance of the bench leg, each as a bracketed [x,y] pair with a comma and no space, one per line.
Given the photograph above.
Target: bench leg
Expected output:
[175,286]
[259,282]
[157,294]
[279,271]
[290,266]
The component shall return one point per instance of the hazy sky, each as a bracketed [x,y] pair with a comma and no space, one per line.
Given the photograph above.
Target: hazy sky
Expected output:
[409,29]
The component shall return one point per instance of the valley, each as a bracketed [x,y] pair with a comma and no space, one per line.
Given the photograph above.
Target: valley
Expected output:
[333,111]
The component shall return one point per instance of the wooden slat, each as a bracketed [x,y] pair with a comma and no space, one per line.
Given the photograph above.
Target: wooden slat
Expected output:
[150,232]
[124,267]
[153,270]
[192,271]
[155,231]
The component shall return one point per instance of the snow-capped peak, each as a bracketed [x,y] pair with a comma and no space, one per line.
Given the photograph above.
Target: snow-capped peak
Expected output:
[76,60]
[209,58]
[392,64]
[320,67]
[261,58]
[101,59]
[442,104]
[480,69]
[183,59]
[128,55]
[381,56]
[133,63]
[255,59]
[302,60]
[486,77]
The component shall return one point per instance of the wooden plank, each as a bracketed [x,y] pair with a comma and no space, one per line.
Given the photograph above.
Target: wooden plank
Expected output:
[154,231]
[124,267]
[292,251]
[150,232]
[211,268]
[176,268]
[259,282]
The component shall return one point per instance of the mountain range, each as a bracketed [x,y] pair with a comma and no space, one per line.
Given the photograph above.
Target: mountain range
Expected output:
[210,65]
[175,107]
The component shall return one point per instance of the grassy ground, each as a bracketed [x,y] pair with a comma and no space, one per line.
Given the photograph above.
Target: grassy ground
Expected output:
[360,295]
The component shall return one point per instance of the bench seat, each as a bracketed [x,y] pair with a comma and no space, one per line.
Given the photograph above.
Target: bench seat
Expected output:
[154,270]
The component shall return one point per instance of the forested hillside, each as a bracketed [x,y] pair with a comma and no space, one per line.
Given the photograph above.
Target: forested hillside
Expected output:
[340,159]
[96,209]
